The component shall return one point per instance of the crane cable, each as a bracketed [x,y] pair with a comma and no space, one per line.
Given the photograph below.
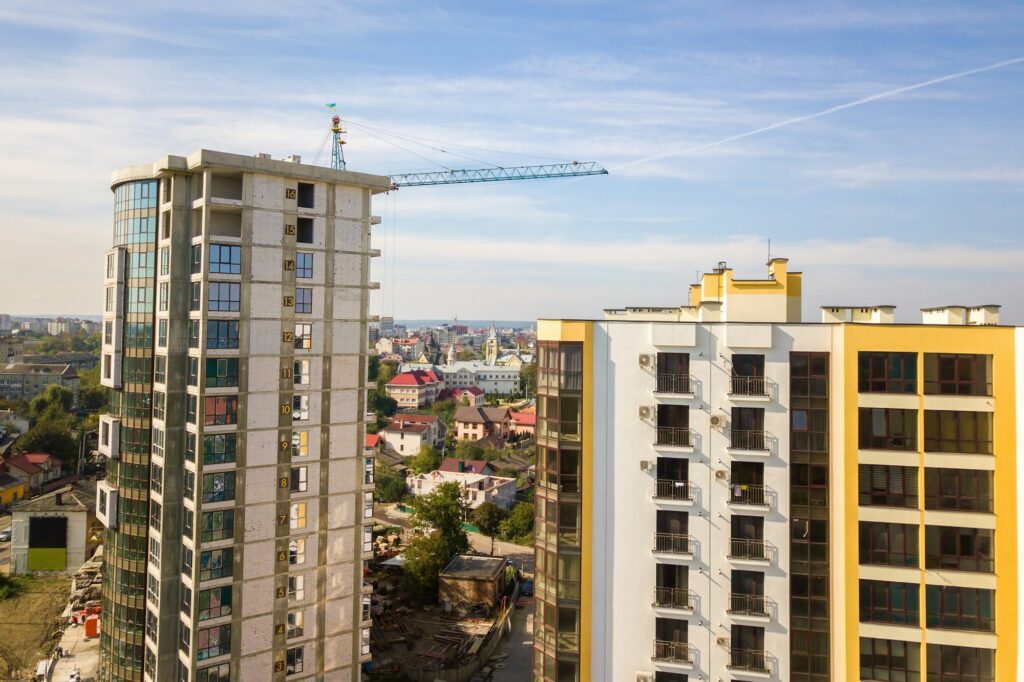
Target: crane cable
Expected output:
[436,149]
[323,144]
[405,149]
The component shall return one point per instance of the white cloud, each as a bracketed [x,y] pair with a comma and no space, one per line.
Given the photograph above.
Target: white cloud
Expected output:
[880,172]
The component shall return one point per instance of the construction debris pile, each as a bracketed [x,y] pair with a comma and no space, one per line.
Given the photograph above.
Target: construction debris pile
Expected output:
[85,588]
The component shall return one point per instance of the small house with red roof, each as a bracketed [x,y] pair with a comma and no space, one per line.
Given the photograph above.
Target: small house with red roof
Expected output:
[415,389]
[34,469]
[522,423]
[469,466]
[405,433]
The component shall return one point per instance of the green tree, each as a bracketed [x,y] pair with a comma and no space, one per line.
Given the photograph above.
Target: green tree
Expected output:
[439,517]
[444,410]
[373,368]
[387,371]
[488,517]
[53,404]
[425,557]
[51,437]
[388,485]
[528,379]
[468,449]
[517,527]
[466,354]
[91,394]
[426,460]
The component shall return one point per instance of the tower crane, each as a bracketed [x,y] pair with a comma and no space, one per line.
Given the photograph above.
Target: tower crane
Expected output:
[450,176]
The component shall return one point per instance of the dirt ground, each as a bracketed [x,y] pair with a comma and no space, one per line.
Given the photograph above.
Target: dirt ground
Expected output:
[27,620]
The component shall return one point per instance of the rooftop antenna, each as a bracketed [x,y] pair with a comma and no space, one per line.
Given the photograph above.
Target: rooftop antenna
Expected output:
[769,249]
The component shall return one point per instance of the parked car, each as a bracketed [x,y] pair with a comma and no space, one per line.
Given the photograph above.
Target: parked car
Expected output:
[527,588]
[5,535]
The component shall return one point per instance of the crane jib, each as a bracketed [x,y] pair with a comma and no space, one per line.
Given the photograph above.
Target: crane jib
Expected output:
[454,177]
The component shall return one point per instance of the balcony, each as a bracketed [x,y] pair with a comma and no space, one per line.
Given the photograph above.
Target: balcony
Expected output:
[673,598]
[747,604]
[752,660]
[673,652]
[743,548]
[674,384]
[749,440]
[672,543]
[670,489]
[749,494]
[677,436]
[754,387]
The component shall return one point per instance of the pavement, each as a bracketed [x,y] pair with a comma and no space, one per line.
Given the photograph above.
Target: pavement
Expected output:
[519,647]
[85,656]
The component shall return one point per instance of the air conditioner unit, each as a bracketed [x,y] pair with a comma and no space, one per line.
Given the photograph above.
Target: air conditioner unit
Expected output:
[645,677]
[722,641]
[646,465]
[646,360]
[717,420]
[721,474]
[646,412]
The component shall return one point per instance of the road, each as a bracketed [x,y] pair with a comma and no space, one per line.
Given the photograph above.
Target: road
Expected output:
[5,547]
[519,647]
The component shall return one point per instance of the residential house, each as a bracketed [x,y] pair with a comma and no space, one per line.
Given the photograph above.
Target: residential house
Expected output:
[469,395]
[476,488]
[35,469]
[52,532]
[476,423]
[23,381]
[469,466]
[405,433]
[415,389]
[11,490]
[523,423]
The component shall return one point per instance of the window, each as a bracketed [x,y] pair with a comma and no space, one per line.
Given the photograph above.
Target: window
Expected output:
[154,515]
[307,195]
[303,299]
[195,299]
[187,519]
[219,449]
[299,482]
[217,525]
[160,367]
[159,405]
[162,298]
[300,443]
[161,333]
[887,486]
[967,432]
[887,659]
[296,589]
[303,336]
[192,371]
[153,589]
[225,297]
[296,551]
[300,407]
[368,471]
[959,549]
[108,332]
[956,374]
[215,603]
[111,265]
[186,600]
[298,515]
[888,544]
[220,410]
[107,366]
[154,551]
[219,487]
[304,231]
[225,260]
[294,661]
[196,259]
[960,608]
[190,446]
[108,305]
[960,664]
[886,372]
[958,489]
[156,478]
[300,373]
[184,637]
[216,563]
[368,504]
[295,623]
[193,333]
[886,602]
[186,558]
[222,334]
[217,673]
[191,407]
[215,641]
[188,482]
[303,265]
[887,429]
[158,442]
[221,372]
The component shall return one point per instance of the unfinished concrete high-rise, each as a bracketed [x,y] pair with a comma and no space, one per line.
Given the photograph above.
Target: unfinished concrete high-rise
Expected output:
[234,337]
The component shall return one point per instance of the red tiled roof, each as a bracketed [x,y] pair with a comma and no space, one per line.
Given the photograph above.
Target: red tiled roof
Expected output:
[469,466]
[21,462]
[372,440]
[417,377]
[407,427]
[38,458]
[525,418]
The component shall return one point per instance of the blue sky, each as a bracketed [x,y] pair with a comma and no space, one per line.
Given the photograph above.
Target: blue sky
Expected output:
[913,200]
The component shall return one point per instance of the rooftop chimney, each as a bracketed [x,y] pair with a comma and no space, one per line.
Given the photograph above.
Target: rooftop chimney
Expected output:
[293,158]
[961,315]
[462,466]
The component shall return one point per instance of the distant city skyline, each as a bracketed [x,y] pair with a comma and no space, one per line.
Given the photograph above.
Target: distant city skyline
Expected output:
[913,200]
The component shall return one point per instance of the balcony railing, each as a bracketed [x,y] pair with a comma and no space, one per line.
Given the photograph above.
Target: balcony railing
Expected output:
[671,489]
[748,440]
[747,493]
[673,598]
[672,543]
[748,659]
[674,435]
[743,385]
[677,652]
[743,548]
[674,383]
[747,604]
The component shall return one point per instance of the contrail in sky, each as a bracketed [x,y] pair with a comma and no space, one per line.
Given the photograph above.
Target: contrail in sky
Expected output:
[824,112]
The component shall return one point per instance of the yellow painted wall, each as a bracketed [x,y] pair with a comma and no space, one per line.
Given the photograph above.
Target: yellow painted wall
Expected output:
[47,559]
[15,492]
[995,341]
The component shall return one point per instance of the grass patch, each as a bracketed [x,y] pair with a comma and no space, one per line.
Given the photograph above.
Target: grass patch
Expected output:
[30,615]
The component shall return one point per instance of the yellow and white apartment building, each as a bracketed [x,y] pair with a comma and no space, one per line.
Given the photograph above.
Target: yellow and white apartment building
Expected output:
[728,493]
